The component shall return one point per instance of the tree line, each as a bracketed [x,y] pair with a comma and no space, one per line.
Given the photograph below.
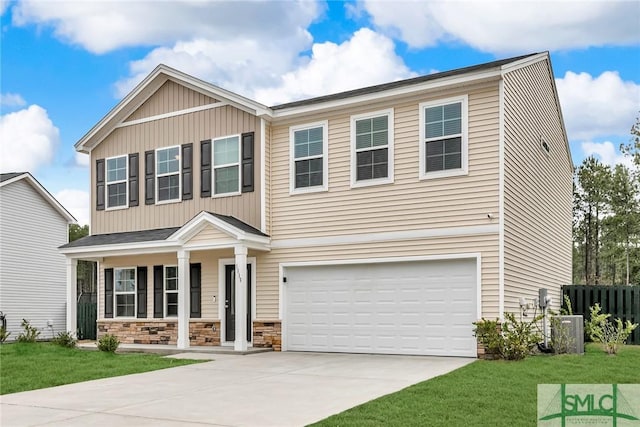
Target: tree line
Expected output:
[606,219]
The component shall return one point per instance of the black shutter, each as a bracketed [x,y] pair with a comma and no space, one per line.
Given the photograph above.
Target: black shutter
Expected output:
[205,168]
[187,171]
[134,185]
[142,292]
[100,184]
[149,177]
[247,162]
[108,293]
[158,291]
[195,278]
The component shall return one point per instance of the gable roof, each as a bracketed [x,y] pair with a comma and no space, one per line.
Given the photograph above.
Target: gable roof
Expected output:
[162,73]
[9,178]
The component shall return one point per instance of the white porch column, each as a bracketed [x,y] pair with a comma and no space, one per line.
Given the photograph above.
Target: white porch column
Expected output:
[240,344]
[183,299]
[72,292]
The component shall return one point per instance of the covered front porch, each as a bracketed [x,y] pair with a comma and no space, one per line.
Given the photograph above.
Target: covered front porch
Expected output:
[187,286]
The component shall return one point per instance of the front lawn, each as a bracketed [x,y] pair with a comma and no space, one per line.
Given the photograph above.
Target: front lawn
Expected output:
[30,366]
[491,393]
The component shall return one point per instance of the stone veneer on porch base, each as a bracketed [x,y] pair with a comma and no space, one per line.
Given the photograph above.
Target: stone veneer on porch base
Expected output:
[266,334]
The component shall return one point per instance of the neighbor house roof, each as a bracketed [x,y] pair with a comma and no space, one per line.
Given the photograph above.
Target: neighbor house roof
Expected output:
[9,178]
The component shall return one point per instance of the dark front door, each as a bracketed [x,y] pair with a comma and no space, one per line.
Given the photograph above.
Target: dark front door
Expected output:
[230,302]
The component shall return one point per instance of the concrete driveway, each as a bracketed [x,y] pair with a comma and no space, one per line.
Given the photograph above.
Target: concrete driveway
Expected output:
[264,389]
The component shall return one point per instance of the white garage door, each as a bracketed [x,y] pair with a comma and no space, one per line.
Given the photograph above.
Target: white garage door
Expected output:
[424,307]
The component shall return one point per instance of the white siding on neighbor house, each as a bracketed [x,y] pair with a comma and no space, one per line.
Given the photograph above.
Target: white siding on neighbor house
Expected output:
[32,271]
[537,189]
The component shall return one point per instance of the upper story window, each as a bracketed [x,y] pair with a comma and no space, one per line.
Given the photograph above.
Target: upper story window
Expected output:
[117,182]
[226,165]
[171,291]
[125,292]
[372,148]
[309,157]
[443,138]
[168,174]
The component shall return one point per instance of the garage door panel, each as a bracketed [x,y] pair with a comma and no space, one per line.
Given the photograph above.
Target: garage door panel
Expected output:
[395,308]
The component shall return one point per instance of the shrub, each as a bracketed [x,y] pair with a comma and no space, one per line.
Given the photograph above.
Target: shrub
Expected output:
[600,330]
[64,339]
[561,339]
[511,340]
[108,343]
[30,333]
[4,334]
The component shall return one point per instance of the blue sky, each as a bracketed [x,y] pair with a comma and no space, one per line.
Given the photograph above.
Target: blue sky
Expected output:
[64,65]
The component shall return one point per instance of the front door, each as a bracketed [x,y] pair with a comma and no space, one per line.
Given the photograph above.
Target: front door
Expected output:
[230,302]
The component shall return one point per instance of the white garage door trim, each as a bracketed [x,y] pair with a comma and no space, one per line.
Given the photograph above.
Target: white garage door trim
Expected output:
[284,266]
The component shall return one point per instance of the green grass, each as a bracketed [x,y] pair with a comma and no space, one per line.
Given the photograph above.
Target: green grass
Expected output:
[30,366]
[491,393]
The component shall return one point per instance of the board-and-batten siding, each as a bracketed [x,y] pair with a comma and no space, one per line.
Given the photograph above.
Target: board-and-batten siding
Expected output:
[407,204]
[537,189]
[170,97]
[32,271]
[177,130]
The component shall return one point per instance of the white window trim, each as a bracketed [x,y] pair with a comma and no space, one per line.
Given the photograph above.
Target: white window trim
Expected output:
[464,170]
[165,291]
[390,144]
[157,175]
[116,293]
[226,165]
[106,183]
[325,158]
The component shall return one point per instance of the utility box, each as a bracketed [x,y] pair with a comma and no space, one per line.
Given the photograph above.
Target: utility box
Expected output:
[568,332]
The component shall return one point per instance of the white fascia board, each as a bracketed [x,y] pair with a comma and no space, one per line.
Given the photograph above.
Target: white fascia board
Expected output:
[119,249]
[400,91]
[44,193]
[516,65]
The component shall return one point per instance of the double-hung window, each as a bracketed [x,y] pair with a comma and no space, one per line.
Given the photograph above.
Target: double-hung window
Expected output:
[372,148]
[171,291]
[125,291]
[226,166]
[309,157]
[117,182]
[443,138]
[168,174]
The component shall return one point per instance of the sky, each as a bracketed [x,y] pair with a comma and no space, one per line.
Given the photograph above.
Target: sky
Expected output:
[65,64]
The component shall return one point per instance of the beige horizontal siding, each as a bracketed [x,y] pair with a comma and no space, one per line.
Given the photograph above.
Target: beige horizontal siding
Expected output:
[178,130]
[537,189]
[208,235]
[408,203]
[170,97]
[487,245]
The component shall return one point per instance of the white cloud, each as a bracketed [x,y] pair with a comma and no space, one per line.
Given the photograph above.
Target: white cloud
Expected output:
[509,26]
[367,58]
[102,26]
[82,160]
[601,106]
[607,153]
[28,140]
[77,203]
[12,100]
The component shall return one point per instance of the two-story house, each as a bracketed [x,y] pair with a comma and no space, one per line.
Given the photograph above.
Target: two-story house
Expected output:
[381,220]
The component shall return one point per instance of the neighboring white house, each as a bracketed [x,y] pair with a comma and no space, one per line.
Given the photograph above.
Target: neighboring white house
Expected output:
[33,224]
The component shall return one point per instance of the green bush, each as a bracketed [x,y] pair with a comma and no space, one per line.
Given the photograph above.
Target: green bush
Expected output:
[600,330]
[511,340]
[108,343]
[65,339]
[4,334]
[30,333]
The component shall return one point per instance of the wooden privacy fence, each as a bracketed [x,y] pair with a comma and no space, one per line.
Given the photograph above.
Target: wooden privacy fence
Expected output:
[87,313]
[619,301]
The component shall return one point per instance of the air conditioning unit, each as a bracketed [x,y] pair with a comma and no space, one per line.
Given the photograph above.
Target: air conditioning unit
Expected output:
[569,331]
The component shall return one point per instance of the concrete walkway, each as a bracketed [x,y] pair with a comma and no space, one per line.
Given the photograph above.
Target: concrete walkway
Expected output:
[264,389]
